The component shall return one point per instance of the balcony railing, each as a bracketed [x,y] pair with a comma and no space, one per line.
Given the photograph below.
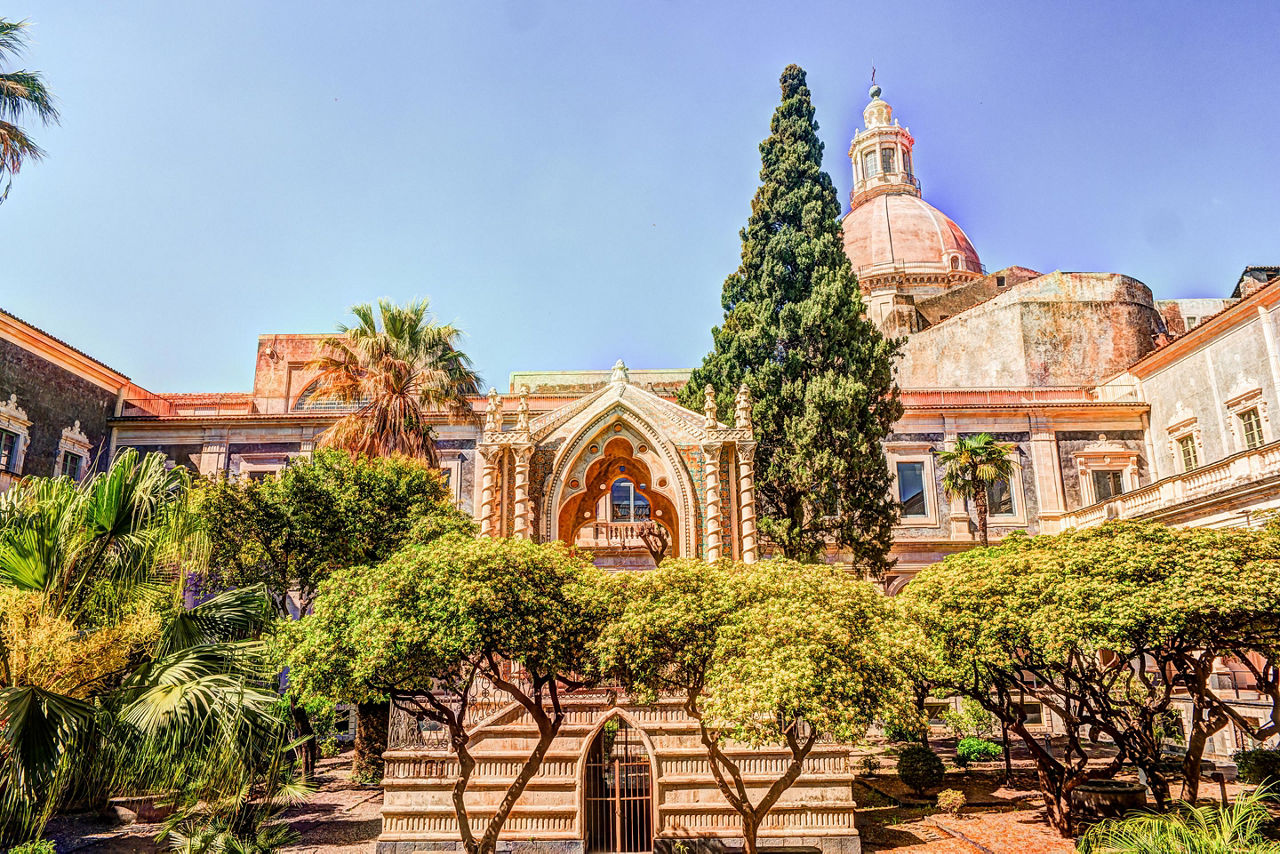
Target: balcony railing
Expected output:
[625,535]
[1238,470]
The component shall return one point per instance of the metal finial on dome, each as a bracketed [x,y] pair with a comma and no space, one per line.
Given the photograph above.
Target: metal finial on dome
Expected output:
[874,91]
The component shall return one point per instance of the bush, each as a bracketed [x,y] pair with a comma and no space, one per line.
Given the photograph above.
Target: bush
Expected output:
[1258,765]
[870,765]
[951,801]
[329,748]
[1238,827]
[920,768]
[971,721]
[40,846]
[976,750]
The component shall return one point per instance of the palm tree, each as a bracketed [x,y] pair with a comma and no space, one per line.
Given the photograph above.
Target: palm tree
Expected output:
[395,367]
[973,465]
[107,683]
[1234,829]
[22,94]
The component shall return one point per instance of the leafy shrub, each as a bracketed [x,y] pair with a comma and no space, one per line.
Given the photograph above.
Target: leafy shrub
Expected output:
[329,748]
[919,768]
[40,846]
[951,801]
[870,765]
[1257,766]
[1195,830]
[976,750]
[971,721]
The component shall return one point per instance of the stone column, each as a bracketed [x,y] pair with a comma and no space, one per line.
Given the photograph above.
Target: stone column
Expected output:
[1047,468]
[746,452]
[522,454]
[711,455]
[488,496]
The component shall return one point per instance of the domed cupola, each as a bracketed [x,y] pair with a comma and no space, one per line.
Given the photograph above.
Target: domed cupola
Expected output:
[893,237]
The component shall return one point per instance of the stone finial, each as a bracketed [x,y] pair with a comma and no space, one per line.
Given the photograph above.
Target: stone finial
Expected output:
[522,415]
[620,374]
[742,408]
[709,406]
[491,419]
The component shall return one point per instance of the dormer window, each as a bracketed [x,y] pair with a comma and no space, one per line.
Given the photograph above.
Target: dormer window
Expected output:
[868,165]
[886,160]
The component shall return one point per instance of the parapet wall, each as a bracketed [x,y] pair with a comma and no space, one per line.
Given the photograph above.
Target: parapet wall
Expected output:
[1060,329]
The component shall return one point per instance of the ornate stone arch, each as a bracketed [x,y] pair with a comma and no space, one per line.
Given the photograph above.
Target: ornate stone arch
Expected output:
[580,773]
[572,449]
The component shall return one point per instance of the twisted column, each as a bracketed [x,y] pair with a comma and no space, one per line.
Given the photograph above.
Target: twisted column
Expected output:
[746,452]
[522,491]
[488,502]
[711,455]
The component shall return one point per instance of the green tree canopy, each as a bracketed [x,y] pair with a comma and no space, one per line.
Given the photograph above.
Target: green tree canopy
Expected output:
[433,623]
[774,653]
[820,374]
[23,95]
[1101,627]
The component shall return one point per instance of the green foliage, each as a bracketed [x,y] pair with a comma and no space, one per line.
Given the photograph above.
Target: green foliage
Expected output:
[1235,829]
[972,466]
[106,681]
[976,750]
[40,846]
[1260,765]
[919,768]
[23,94]
[952,802]
[870,765]
[330,748]
[970,721]
[911,729]
[820,374]
[322,513]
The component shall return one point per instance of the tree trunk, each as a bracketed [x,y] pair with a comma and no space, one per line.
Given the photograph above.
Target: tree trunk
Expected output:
[309,751]
[371,741]
[1202,728]
[980,507]
[750,829]
[1008,756]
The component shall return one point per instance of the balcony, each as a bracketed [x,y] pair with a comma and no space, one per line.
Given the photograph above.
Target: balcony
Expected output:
[1246,469]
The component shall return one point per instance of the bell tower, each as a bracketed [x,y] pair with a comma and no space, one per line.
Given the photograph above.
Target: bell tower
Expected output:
[881,154]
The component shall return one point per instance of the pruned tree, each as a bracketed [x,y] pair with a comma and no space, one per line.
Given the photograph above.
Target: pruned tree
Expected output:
[768,653]
[1098,627]
[431,625]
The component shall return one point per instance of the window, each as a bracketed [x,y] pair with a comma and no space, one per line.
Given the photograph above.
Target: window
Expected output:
[72,464]
[1187,450]
[955,262]
[1000,498]
[906,162]
[1192,322]
[1251,426]
[628,504]
[8,445]
[911,489]
[868,164]
[886,160]
[999,281]
[1034,717]
[1107,483]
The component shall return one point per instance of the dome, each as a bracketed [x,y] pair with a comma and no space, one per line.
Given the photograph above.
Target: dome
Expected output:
[900,234]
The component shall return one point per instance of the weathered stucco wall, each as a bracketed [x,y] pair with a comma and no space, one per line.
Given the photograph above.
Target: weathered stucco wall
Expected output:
[1061,329]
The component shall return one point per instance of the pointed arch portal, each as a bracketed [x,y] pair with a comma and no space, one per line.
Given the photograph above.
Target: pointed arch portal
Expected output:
[618,791]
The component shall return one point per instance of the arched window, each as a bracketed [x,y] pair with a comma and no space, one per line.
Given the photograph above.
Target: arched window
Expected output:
[955,262]
[628,504]
[308,402]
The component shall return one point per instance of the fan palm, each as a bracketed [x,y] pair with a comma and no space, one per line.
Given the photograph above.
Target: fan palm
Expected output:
[972,467]
[23,94]
[106,681]
[395,366]
[1234,829]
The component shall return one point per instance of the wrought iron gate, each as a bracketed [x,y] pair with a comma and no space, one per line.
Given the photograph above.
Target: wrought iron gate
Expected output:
[619,793]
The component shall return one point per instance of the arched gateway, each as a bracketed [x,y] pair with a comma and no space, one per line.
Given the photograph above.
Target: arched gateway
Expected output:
[615,471]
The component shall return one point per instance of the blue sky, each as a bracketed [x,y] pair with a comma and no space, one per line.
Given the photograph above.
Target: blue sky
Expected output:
[566,181]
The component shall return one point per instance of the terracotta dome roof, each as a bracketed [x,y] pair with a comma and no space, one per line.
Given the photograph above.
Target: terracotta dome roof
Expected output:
[902,233]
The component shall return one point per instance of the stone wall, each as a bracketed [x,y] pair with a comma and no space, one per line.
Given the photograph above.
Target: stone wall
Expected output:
[54,398]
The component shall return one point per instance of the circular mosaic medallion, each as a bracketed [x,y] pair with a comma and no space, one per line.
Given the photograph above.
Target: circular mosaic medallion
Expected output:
[662,481]
[575,483]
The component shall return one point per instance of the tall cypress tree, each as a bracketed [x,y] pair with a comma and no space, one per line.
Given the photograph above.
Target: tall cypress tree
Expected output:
[820,374]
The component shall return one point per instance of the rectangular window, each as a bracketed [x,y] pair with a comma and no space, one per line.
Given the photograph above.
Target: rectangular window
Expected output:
[1251,425]
[1192,322]
[999,281]
[1187,449]
[906,162]
[1000,499]
[911,489]
[8,445]
[1107,484]
[886,160]
[1033,713]
[868,164]
[71,464]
